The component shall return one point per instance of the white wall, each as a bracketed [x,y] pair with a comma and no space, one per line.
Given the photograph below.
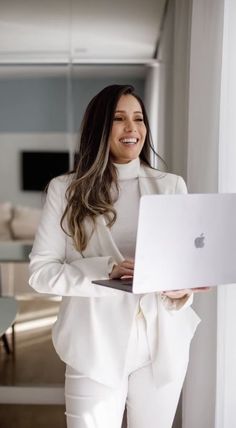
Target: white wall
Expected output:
[152,100]
[207,23]
[172,89]
[164,94]
[226,337]
[180,79]
[204,94]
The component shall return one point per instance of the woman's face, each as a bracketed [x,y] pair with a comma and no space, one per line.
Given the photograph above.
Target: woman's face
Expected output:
[128,131]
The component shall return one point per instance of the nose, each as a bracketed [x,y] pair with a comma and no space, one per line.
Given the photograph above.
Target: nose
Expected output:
[129,125]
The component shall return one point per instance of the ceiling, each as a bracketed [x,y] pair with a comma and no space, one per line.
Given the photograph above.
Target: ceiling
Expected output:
[89,31]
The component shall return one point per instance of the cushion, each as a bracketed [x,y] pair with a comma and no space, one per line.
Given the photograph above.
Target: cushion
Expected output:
[5,218]
[25,222]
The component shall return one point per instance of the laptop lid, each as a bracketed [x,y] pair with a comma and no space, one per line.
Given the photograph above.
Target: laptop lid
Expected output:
[185,241]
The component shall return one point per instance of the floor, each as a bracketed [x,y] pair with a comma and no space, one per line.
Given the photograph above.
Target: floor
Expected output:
[35,363]
[33,416]
[18,416]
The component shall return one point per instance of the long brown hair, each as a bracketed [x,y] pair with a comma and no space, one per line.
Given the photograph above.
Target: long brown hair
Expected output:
[89,193]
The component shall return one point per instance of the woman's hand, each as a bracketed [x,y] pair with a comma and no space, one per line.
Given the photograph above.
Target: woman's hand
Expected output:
[179,294]
[123,269]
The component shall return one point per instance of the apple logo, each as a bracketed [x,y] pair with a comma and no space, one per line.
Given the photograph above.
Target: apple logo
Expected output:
[199,241]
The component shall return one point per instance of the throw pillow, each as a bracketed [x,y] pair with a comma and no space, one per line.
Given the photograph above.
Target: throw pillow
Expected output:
[25,222]
[5,218]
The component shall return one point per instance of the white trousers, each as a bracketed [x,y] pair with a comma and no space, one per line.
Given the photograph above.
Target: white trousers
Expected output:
[90,404]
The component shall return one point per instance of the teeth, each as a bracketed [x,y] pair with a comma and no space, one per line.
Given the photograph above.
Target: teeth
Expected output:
[129,140]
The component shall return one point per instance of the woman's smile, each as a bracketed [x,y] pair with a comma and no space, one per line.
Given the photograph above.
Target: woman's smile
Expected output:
[129,140]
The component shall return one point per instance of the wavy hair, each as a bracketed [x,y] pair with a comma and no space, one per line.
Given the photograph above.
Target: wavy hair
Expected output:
[94,176]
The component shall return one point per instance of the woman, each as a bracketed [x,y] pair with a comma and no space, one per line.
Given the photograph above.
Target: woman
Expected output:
[119,348]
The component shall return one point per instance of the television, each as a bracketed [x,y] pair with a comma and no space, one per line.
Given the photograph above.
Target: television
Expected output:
[39,167]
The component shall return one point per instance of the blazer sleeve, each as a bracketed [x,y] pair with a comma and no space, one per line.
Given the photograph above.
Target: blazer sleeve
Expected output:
[50,272]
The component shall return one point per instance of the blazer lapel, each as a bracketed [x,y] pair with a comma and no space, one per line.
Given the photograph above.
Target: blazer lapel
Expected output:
[102,241]
[149,183]
[106,240]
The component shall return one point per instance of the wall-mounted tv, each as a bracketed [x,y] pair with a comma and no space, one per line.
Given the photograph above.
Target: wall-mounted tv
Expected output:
[39,167]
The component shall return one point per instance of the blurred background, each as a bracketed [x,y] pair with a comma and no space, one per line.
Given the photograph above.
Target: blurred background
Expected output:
[55,55]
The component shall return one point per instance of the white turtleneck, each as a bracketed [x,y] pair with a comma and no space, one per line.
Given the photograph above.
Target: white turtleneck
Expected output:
[124,230]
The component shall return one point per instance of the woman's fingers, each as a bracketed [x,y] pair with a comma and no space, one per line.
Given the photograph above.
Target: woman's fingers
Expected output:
[125,268]
[179,294]
[119,272]
[127,264]
[201,289]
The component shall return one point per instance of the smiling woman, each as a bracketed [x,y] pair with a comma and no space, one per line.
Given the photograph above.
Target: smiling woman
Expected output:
[118,347]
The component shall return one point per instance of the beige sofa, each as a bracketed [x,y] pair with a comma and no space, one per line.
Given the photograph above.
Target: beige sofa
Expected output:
[17,223]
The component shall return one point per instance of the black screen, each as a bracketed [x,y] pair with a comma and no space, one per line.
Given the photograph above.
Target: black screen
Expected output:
[38,168]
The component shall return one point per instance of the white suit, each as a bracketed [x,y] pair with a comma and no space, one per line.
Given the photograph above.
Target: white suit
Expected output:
[92,330]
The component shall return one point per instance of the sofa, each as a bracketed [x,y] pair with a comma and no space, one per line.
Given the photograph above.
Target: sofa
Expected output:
[18,223]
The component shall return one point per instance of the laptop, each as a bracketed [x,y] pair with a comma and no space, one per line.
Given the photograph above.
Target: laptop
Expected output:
[183,241]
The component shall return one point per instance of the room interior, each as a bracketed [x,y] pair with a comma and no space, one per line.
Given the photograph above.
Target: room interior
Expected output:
[48,78]
[54,57]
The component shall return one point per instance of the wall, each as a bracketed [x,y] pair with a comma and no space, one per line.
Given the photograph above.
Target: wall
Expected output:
[164,111]
[199,402]
[226,314]
[172,89]
[180,85]
[34,116]
[197,138]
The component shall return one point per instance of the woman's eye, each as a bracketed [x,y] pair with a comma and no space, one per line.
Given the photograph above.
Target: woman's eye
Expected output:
[139,119]
[118,118]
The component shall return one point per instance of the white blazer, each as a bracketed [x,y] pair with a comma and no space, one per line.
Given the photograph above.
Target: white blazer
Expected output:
[92,330]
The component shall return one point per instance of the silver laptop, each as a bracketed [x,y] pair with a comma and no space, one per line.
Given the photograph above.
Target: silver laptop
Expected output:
[183,241]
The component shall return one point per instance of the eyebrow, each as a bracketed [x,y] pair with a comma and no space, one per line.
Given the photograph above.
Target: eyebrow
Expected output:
[123,111]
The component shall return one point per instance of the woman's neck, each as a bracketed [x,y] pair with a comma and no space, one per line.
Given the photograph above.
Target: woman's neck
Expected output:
[128,170]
